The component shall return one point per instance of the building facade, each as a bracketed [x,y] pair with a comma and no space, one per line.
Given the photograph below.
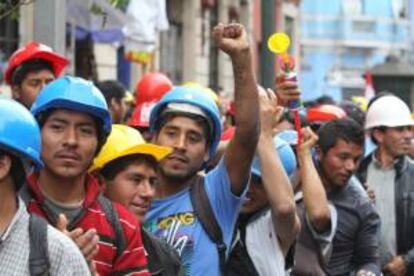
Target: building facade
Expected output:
[341,39]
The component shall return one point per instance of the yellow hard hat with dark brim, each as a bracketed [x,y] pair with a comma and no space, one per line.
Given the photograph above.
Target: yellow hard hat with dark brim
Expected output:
[123,141]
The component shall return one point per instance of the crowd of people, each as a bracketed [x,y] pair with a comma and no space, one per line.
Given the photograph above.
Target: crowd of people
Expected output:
[95,180]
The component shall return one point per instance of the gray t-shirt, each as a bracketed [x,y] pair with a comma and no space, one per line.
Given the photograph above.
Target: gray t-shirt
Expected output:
[382,180]
[71,211]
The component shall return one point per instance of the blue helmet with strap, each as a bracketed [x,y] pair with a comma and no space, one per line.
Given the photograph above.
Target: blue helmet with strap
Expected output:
[286,156]
[19,132]
[183,100]
[75,94]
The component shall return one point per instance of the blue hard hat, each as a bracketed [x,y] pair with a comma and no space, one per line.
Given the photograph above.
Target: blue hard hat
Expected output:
[191,96]
[19,132]
[286,156]
[290,136]
[76,94]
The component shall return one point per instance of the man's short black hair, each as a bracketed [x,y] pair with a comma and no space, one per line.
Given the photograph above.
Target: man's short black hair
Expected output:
[34,65]
[113,168]
[17,171]
[325,99]
[354,112]
[111,89]
[340,129]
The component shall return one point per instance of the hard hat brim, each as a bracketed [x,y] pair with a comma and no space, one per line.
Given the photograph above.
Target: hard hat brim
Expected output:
[158,152]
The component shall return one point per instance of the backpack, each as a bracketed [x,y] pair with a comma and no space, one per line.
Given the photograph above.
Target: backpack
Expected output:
[39,258]
[39,264]
[162,258]
[204,212]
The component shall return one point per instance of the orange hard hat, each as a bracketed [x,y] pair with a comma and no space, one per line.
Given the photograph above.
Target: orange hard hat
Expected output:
[151,87]
[35,50]
[324,113]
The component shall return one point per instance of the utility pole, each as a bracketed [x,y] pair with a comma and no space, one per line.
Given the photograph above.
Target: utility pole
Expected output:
[49,23]
[267,58]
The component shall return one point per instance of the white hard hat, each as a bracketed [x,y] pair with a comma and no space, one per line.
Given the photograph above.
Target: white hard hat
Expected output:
[388,111]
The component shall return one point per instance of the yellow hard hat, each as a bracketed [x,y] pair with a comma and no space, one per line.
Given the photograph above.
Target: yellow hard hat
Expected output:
[361,101]
[208,90]
[123,141]
[129,98]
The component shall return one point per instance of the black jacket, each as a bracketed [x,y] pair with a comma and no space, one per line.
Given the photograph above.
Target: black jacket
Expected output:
[162,259]
[404,200]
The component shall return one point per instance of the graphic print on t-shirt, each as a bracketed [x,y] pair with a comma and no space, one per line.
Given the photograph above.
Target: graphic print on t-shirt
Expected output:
[177,231]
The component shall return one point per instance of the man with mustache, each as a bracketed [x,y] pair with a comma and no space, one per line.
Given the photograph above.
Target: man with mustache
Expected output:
[389,173]
[187,119]
[75,122]
[19,154]
[355,243]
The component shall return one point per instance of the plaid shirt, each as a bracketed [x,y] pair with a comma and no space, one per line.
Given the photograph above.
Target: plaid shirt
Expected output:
[64,256]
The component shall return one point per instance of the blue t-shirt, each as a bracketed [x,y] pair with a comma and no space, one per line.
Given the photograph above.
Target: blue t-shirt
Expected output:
[173,219]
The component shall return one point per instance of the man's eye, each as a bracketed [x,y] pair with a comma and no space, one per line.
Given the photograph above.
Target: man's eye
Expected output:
[153,181]
[87,130]
[170,133]
[56,127]
[137,180]
[194,138]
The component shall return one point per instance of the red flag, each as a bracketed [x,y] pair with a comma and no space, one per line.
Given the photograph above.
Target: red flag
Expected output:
[369,86]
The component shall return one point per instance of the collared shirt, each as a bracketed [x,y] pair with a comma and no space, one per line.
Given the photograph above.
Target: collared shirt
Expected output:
[64,256]
[382,180]
[263,245]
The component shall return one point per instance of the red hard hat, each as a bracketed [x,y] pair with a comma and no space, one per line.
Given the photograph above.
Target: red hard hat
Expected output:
[35,50]
[324,113]
[152,87]
[141,115]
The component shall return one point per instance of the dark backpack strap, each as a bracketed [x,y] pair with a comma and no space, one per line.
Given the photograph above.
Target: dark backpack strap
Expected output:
[39,254]
[113,219]
[204,213]
[25,193]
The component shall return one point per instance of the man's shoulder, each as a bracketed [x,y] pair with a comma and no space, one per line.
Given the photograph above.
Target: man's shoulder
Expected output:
[64,255]
[354,198]
[59,242]
[219,171]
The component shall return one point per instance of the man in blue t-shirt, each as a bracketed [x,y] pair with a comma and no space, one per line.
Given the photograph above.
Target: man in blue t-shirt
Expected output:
[188,120]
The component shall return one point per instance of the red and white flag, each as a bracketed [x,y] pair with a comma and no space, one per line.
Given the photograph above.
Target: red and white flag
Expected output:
[369,86]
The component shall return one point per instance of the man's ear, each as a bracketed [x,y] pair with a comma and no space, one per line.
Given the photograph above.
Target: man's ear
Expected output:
[5,166]
[101,180]
[378,135]
[114,104]
[319,153]
[15,89]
